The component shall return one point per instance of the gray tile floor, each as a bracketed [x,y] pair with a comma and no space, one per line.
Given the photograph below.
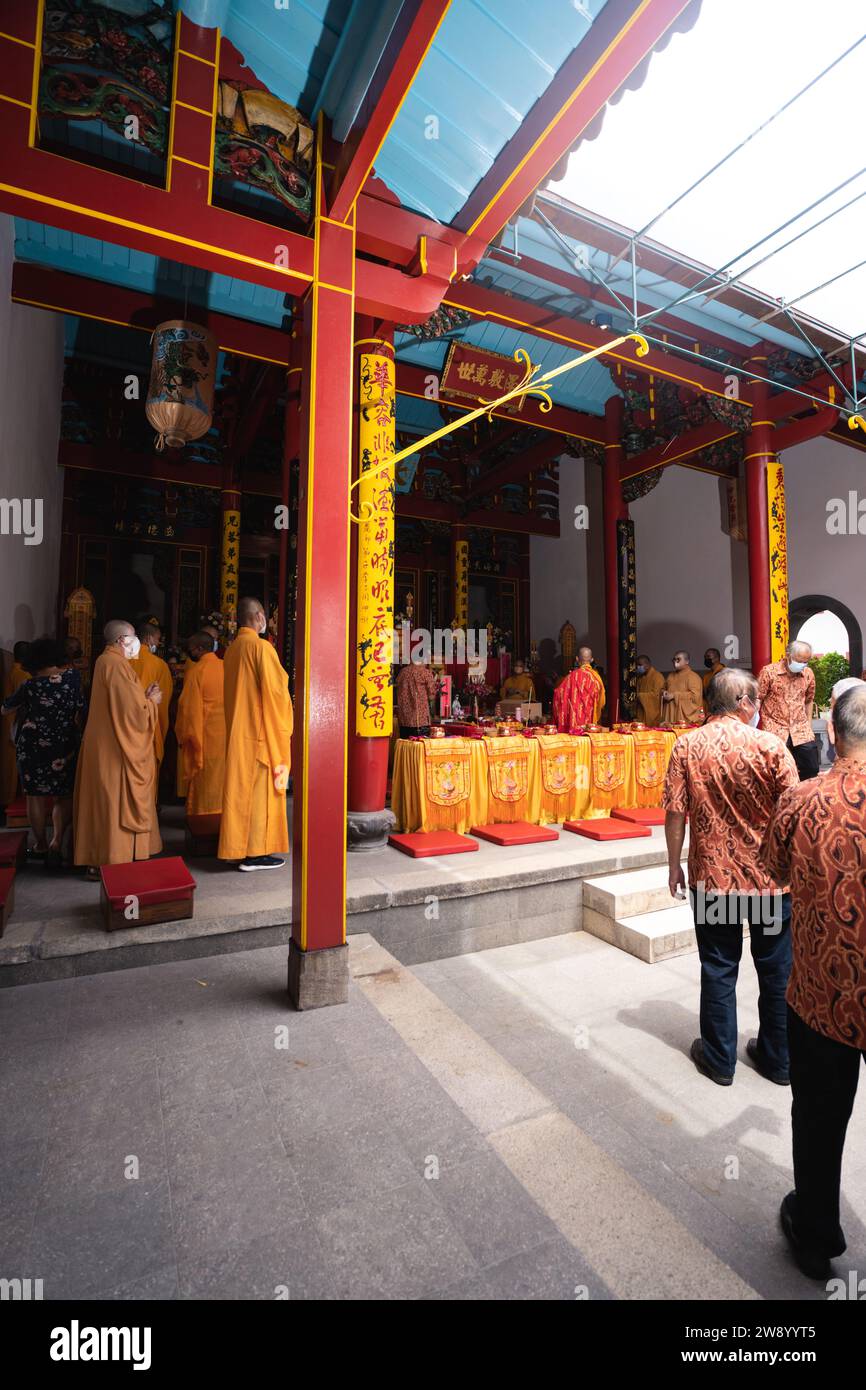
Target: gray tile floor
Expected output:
[160,1142]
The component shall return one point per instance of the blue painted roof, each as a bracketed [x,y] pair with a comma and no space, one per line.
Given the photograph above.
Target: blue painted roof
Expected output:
[489,63]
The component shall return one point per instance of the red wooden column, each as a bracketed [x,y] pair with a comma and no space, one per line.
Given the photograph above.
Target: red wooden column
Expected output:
[759,456]
[369,822]
[614,510]
[318,967]
[291,451]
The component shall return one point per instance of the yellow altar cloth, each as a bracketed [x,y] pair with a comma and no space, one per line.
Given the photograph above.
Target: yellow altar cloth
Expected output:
[544,780]
[432,793]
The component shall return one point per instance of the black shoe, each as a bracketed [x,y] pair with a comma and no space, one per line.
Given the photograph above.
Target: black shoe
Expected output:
[780,1078]
[696,1052]
[812,1265]
[260,861]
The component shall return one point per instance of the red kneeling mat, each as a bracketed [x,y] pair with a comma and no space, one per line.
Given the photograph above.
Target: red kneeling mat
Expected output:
[150,880]
[7,878]
[13,848]
[640,815]
[606,828]
[423,844]
[518,832]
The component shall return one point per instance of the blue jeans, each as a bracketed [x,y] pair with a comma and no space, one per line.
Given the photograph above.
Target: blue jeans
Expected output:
[720,948]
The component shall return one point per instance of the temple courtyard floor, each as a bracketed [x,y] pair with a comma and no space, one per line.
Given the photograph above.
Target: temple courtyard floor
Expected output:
[515,1122]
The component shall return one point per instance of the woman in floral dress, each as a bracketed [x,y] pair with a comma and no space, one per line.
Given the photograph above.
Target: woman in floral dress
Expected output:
[49,707]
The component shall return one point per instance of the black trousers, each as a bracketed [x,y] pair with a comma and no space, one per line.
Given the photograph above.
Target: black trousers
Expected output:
[807,757]
[824,1076]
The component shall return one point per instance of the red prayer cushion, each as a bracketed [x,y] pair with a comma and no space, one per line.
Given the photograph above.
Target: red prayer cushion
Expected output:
[7,878]
[640,815]
[12,846]
[518,832]
[422,844]
[606,828]
[149,880]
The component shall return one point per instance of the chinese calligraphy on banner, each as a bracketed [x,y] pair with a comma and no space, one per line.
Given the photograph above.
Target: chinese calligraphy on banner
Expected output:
[627,599]
[461,584]
[374,714]
[778,549]
[469,371]
[230,564]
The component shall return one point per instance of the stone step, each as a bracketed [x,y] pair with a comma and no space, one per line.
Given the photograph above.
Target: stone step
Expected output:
[651,936]
[630,892]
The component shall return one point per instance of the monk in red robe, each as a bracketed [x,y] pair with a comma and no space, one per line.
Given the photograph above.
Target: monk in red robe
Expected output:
[579,698]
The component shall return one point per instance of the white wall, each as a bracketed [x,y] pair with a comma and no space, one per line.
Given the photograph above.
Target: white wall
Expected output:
[31,382]
[558,565]
[692,579]
[820,563]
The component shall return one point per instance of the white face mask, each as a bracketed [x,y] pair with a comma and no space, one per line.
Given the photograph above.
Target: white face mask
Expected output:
[131,647]
[755,719]
[795,667]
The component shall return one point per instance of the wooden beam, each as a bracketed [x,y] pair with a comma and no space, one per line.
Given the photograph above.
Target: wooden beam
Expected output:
[675,450]
[620,38]
[410,39]
[413,381]
[583,337]
[516,467]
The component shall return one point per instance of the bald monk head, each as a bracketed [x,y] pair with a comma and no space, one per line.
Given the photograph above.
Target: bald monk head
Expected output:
[252,614]
[712,657]
[117,632]
[149,635]
[584,656]
[681,661]
[643,664]
[213,631]
[199,644]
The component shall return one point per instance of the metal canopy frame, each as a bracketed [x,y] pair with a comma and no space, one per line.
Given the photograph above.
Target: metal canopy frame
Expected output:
[714,282]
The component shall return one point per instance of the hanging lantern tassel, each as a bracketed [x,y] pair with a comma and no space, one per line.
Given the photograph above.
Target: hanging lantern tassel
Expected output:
[182,375]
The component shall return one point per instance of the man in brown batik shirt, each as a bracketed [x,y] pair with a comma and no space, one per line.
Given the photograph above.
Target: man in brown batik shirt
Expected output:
[727,777]
[786,690]
[817,841]
[416,686]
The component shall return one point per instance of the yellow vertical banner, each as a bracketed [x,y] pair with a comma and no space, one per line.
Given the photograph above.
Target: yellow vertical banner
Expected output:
[230,567]
[461,583]
[374,714]
[778,552]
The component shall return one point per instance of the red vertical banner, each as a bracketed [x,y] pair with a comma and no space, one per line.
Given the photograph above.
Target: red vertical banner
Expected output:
[321,684]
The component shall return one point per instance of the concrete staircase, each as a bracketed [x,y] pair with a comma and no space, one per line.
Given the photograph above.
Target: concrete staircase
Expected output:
[634,911]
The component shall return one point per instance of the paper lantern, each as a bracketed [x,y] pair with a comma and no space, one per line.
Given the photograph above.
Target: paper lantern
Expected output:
[180,395]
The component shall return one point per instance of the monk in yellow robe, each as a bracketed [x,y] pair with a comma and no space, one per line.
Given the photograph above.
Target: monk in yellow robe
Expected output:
[518,686]
[200,727]
[712,664]
[114,807]
[8,765]
[151,668]
[258,714]
[579,699]
[683,693]
[650,684]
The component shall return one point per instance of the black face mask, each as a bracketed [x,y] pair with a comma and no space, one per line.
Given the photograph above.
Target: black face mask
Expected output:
[709,664]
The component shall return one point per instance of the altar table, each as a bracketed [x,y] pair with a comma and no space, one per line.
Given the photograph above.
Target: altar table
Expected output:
[455,783]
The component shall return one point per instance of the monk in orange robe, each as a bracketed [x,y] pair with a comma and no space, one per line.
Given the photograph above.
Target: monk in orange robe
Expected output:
[114,808]
[200,727]
[578,699]
[683,694]
[8,764]
[650,684]
[151,668]
[258,714]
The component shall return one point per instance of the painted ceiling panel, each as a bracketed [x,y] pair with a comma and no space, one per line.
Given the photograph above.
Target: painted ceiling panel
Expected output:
[492,60]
